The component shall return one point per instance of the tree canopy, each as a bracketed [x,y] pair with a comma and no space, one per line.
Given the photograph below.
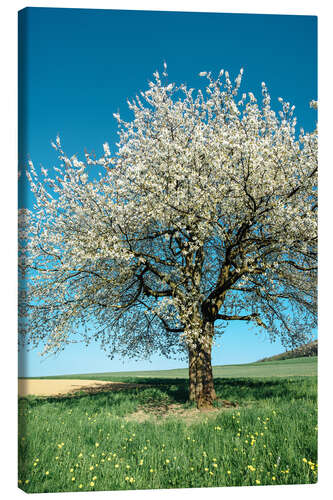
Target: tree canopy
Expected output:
[207,213]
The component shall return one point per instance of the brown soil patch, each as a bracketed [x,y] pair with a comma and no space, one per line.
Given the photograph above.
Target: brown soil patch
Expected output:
[188,415]
[61,387]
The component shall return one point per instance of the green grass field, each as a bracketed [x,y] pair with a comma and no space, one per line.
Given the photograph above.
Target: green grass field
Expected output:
[300,367]
[151,437]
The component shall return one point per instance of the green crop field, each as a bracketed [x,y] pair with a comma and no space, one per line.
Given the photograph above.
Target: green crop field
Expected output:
[151,437]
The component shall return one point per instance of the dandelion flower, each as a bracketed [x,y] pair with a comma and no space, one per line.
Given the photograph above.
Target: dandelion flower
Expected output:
[92,483]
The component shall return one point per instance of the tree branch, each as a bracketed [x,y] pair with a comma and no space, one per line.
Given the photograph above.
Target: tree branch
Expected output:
[249,317]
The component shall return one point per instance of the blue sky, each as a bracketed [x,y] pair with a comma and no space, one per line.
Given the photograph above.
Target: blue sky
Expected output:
[78,67]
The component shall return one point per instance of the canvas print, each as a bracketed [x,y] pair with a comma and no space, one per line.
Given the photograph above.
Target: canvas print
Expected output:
[167,250]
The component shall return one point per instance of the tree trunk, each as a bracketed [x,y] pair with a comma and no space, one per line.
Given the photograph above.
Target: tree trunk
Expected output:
[192,374]
[201,383]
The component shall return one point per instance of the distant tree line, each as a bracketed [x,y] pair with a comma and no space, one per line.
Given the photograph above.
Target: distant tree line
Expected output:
[305,351]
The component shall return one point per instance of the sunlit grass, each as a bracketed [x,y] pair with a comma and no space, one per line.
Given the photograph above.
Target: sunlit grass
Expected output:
[86,443]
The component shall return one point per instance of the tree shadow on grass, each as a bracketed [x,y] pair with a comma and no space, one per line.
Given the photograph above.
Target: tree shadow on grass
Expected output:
[263,389]
[150,391]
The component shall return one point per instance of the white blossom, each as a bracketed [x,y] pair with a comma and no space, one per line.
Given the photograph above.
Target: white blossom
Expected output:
[106,149]
[207,213]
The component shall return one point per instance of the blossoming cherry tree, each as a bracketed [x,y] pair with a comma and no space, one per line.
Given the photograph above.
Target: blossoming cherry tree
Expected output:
[206,215]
